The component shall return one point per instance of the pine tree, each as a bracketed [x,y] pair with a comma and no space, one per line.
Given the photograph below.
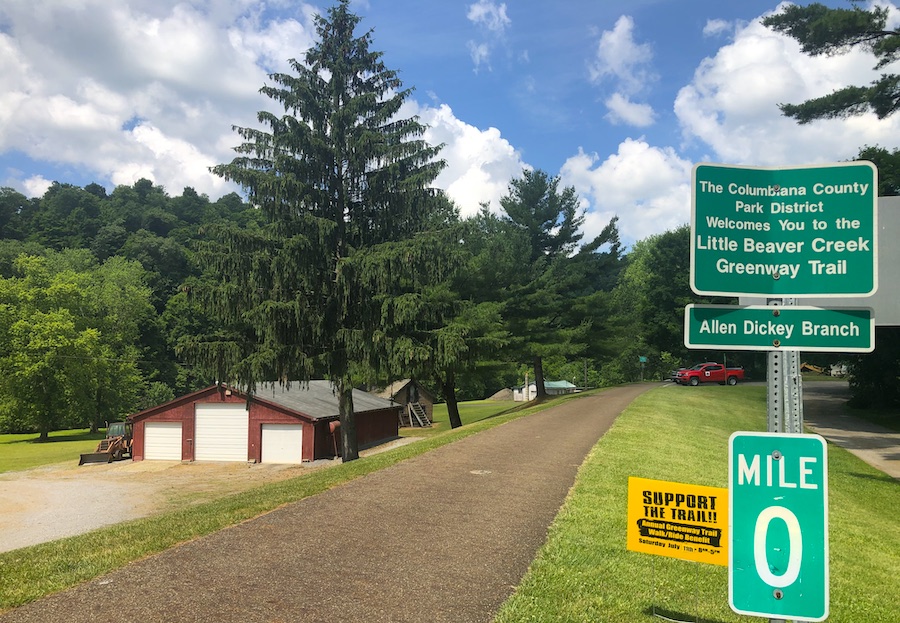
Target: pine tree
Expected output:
[542,308]
[341,179]
[823,30]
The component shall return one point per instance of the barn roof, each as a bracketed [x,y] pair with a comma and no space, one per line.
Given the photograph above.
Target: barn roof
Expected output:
[317,399]
[397,386]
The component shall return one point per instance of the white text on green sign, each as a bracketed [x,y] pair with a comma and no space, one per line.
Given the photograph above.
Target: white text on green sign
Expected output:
[778,526]
[784,232]
[759,327]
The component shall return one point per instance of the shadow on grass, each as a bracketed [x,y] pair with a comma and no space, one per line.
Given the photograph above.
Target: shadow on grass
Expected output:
[876,478]
[676,617]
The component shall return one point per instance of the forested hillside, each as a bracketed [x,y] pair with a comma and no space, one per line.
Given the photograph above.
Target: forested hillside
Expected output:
[97,293]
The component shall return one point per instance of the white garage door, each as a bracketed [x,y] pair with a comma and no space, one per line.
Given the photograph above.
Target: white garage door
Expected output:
[162,441]
[282,443]
[221,432]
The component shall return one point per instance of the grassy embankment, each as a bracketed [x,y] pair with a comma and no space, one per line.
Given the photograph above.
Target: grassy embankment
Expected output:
[584,573]
[469,412]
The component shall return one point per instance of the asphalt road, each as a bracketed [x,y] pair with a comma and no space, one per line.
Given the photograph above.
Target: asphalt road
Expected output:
[443,537]
[825,413]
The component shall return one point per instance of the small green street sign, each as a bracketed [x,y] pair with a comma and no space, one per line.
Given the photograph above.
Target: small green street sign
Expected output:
[778,526]
[784,232]
[760,327]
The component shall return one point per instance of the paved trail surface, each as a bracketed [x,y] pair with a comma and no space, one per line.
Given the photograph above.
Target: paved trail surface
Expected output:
[443,537]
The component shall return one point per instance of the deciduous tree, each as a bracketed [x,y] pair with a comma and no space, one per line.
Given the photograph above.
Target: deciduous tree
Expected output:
[68,344]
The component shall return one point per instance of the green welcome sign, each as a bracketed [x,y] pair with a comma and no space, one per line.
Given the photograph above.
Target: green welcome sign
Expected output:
[784,232]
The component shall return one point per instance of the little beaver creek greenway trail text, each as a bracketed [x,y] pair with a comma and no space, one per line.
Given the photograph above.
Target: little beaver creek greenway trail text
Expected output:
[784,232]
[748,244]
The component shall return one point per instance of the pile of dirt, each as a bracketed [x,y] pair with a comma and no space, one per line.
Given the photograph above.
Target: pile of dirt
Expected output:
[504,394]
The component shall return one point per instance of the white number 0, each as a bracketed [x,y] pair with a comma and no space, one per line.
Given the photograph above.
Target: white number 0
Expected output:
[795,543]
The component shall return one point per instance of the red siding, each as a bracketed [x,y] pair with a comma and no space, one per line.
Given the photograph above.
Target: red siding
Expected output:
[372,426]
[318,443]
[265,414]
[178,410]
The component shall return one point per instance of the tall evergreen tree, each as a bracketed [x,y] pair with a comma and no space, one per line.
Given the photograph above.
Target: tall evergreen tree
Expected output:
[441,325]
[823,30]
[540,308]
[340,178]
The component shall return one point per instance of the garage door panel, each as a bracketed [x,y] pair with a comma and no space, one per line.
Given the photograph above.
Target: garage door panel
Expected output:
[221,432]
[282,443]
[162,441]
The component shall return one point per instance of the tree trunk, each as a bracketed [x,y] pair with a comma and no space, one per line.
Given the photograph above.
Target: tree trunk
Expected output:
[349,443]
[539,378]
[448,387]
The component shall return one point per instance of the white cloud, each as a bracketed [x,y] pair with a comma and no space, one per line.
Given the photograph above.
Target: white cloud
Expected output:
[731,105]
[36,186]
[623,111]
[108,86]
[716,27]
[647,187]
[489,16]
[480,163]
[481,55]
[492,20]
[619,56]
[170,161]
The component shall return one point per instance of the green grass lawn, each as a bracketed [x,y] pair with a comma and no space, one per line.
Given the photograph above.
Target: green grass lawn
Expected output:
[584,573]
[469,412]
[19,452]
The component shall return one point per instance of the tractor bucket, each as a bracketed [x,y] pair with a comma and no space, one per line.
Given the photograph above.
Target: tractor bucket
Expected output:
[96,457]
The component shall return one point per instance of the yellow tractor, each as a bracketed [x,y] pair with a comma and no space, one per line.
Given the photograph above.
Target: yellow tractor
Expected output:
[115,447]
[804,367]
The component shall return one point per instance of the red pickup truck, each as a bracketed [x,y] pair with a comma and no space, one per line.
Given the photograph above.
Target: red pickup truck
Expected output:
[709,372]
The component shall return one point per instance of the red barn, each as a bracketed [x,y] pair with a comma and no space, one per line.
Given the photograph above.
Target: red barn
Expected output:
[274,425]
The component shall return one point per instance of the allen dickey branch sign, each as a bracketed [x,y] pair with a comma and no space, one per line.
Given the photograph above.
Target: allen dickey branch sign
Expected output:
[795,327]
[784,232]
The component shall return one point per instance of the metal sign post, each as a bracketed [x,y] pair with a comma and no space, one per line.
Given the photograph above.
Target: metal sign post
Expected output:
[785,387]
[785,393]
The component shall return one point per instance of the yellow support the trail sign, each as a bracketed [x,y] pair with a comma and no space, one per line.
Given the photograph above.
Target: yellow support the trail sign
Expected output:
[678,520]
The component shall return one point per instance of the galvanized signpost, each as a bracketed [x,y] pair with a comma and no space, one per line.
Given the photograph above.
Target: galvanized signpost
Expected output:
[781,233]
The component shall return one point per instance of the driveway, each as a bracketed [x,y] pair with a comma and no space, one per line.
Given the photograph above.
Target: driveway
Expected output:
[825,413]
[52,502]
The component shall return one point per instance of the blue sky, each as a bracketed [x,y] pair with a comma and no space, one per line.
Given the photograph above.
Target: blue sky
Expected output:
[620,99]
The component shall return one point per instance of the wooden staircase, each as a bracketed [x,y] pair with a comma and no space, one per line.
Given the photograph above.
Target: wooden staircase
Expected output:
[414,415]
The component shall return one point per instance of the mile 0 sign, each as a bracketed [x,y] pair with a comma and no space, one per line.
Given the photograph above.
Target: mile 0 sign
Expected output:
[784,232]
